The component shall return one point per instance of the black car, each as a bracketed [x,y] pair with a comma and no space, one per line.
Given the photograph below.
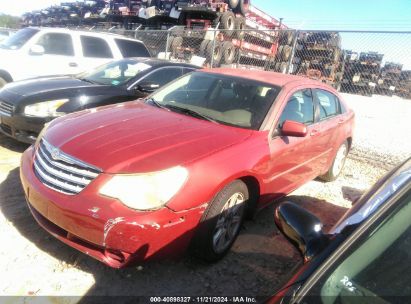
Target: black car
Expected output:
[365,258]
[25,106]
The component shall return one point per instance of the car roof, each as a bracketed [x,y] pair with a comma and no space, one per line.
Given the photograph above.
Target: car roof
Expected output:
[89,33]
[277,79]
[161,62]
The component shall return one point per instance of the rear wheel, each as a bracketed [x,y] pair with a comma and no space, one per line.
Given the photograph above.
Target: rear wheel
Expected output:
[214,53]
[203,47]
[227,23]
[221,222]
[240,25]
[229,52]
[338,164]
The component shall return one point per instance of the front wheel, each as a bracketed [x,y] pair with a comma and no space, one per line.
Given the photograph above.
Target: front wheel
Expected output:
[338,164]
[221,222]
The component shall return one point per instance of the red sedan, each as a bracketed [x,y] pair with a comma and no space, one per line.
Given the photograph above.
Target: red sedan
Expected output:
[184,167]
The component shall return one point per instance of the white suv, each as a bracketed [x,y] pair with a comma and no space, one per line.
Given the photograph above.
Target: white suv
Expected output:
[33,52]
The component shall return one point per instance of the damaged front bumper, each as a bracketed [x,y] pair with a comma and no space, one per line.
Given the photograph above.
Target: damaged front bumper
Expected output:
[102,227]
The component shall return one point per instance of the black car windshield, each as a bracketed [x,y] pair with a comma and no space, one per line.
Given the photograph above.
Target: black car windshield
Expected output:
[116,72]
[18,39]
[228,100]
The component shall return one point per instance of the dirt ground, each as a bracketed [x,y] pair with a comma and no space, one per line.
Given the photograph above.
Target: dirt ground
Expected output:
[34,263]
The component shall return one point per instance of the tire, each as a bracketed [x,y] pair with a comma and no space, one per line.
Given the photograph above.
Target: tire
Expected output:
[233,4]
[283,67]
[286,53]
[3,82]
[220,225]
[203,47]
[240,25]
[214,53]
[280,52]
[242,7]
[170,43]
[228,52]
[227,23]
[286,38]
[337,165]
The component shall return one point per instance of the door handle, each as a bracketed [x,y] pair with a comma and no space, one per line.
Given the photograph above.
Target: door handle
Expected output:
[340,121]
[73,64]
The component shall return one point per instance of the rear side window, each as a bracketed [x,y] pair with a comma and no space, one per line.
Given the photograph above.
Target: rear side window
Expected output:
[57,44]
[130,48]
[329,104]
[94,47]
[163,75]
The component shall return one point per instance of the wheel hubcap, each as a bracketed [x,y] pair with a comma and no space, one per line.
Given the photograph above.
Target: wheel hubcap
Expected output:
[339,160]
[228,222]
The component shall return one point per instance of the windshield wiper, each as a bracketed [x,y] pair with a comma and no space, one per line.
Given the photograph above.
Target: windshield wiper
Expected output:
[155,102]
[87,80]
[190,112]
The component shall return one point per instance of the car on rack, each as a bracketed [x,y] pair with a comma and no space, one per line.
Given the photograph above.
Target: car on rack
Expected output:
[25,106]
[364,258]
[33,52]
[182,169]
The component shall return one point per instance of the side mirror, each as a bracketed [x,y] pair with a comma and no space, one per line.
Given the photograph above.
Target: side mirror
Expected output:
[37,50]
[302,228]
[147,87]
[294,129]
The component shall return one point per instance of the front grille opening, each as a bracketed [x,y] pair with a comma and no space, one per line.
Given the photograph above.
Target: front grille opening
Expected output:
[6,108]
[60,171]
[6,129]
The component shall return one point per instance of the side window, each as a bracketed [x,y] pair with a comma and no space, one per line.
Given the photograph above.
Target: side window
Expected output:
[130,48]
[329,104]
[94,47]
[163,76]
[375,267]
[299,108]
[57,44]
[188,70]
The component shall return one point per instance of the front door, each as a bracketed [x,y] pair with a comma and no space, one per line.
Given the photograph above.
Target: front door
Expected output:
[59,56]
[291,156]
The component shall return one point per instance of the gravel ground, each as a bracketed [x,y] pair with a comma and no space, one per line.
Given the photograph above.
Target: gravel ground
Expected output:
[260,261]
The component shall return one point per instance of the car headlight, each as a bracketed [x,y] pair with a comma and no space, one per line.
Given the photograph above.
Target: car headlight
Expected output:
[147,191]
[45,108]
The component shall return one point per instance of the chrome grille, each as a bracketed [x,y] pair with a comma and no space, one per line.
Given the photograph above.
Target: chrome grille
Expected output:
[60,171]
[6,108]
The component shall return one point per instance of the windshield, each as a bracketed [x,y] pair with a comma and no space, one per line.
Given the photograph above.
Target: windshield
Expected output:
[225,99]
[18,39]
[115,73]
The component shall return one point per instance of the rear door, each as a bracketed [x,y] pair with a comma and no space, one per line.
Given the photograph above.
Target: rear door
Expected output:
[330,122]
[291,156]
[95,51]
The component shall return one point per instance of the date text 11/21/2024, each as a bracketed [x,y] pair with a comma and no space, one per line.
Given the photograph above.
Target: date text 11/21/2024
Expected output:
[205,299]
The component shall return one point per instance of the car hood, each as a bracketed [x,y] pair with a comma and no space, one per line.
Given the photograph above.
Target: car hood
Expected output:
[135,137]
[41,85]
